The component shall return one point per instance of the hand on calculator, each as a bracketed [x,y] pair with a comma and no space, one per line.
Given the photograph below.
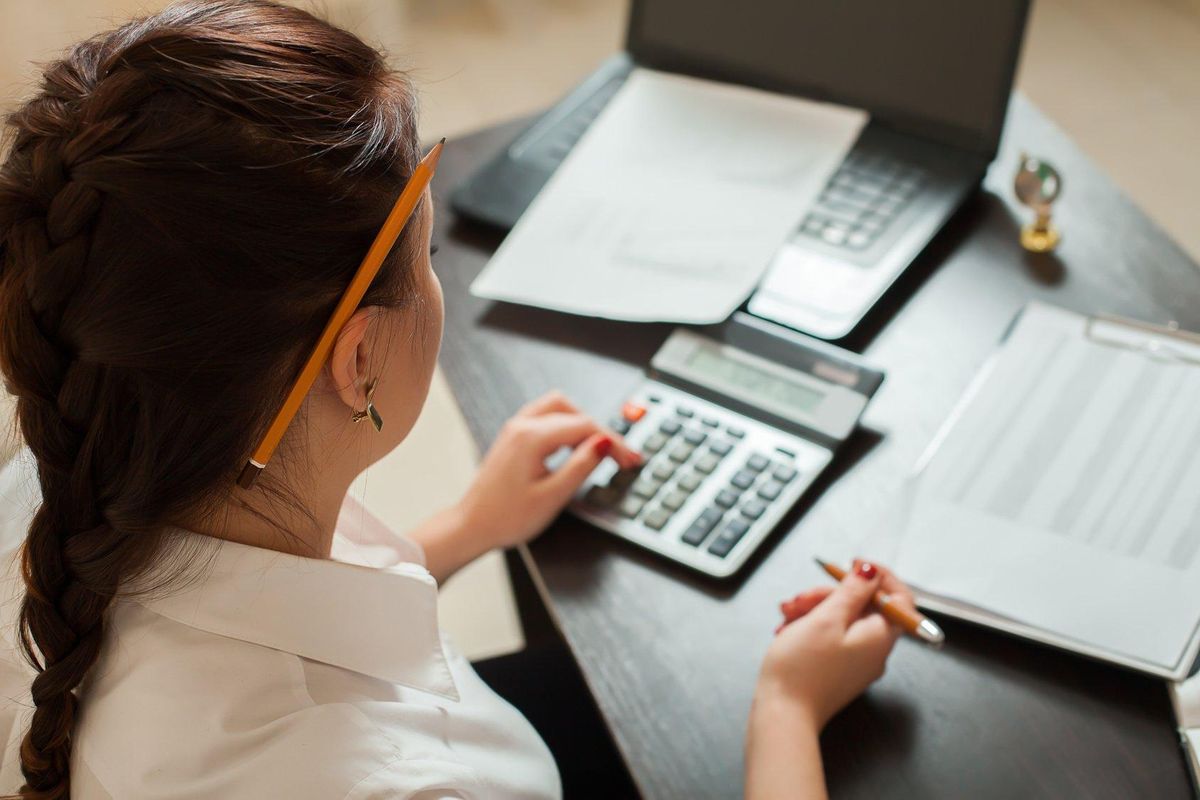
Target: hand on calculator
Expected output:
[515,495]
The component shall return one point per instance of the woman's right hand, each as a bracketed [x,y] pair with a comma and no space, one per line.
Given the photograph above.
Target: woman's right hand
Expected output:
[831,647]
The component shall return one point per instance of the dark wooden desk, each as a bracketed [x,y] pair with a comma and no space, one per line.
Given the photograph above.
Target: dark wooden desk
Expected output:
[672,658]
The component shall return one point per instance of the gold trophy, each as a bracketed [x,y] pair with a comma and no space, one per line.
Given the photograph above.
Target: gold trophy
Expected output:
[1038,185]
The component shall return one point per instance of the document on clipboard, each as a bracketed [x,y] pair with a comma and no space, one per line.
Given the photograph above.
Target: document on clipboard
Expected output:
[1061,500]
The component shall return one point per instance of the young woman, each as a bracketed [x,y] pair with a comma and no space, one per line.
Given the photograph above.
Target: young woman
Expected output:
[183,203]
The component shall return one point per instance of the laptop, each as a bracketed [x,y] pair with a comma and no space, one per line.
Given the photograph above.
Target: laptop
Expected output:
[935,76]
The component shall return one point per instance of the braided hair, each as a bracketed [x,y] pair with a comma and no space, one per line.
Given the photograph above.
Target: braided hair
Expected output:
[181,206]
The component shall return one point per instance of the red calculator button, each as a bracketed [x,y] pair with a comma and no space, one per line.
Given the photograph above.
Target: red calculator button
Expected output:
[632,412]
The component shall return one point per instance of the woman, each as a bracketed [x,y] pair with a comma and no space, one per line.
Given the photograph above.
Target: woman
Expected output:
[183,203]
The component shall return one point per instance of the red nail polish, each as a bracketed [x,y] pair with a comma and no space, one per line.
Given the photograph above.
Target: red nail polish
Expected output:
[866,570]
[603,447]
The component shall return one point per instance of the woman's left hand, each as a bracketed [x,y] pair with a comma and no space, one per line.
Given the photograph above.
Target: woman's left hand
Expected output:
[515,495]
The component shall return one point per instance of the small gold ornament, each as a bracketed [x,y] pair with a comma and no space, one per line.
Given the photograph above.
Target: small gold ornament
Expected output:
[370,412]
[1038,185]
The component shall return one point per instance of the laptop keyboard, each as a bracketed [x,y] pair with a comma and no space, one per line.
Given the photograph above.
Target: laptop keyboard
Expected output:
[863,197]
[548,146]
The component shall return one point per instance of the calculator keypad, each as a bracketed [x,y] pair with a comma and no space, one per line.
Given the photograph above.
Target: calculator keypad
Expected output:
[711,479]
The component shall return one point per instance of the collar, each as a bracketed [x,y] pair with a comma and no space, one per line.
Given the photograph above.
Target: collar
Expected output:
[378,621]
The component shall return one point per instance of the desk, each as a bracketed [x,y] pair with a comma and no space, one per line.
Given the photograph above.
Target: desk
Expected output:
[672,658]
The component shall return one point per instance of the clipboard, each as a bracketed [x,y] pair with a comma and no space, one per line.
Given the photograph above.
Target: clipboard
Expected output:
[1166,344]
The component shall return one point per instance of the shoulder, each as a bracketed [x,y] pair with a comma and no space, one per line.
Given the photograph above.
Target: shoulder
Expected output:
[172,710]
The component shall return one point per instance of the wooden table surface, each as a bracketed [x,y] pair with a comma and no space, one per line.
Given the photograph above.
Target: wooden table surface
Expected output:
[672,658]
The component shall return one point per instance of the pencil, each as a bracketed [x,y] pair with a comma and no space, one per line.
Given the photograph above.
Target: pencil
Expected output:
[912,623]
[367,270]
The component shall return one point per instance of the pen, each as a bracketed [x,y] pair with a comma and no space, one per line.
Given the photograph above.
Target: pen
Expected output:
[910,622]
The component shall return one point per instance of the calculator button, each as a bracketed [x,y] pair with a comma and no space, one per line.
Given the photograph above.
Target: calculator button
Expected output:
[656,519]
[674,500]
[603,496]
[758,462]
[694,437]
[770,491]
[620,426]
[707,463]
[654,443]
[646,487]
[682,452]
[753,509]
[743,479]
[783,474]
[726,499]
[702,527]
[710,422]
[632,412]
[670,427]
[730,536]
[690,482]
[720,447]
[663,471]
[632,506]
[736,433]
[695,534]
[685,412]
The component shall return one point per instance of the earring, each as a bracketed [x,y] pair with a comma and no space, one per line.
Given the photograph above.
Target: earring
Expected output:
[370,411]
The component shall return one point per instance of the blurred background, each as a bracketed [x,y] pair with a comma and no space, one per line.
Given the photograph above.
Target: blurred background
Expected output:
[1120,77]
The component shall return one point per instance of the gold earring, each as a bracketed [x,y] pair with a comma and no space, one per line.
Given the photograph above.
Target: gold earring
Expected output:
[370,411]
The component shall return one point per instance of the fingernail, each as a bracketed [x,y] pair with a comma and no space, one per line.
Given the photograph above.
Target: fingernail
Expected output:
[788,606]
[603,447]
[866,570]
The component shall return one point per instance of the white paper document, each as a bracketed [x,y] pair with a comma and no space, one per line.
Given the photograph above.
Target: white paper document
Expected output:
[1065,492]
[671,205]
[1185,696]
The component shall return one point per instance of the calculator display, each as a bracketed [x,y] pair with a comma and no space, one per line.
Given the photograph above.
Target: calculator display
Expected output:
[747,378]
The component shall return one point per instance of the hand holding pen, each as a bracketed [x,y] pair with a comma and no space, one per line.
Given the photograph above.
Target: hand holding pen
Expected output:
[832,644]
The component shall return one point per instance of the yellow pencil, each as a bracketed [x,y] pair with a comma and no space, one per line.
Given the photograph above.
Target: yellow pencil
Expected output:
[367,270]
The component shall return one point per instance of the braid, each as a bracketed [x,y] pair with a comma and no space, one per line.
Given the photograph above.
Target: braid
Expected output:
[180,208]
[72,555]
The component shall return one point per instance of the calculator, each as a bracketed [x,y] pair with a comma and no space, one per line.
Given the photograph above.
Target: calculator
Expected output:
[736,421]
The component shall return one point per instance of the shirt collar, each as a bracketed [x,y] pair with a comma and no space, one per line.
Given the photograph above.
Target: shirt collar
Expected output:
[378,621]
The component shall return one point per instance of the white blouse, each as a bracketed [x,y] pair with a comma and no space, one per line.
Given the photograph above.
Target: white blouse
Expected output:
[272,675]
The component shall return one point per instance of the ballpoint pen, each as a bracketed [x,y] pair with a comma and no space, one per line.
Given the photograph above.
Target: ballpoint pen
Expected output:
[911,622]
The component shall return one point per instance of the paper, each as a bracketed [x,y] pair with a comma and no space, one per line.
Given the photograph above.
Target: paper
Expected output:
[1066,493]
[1185,696]
[672,204]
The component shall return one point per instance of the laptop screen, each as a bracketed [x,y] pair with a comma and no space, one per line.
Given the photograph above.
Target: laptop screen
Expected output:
[940,68]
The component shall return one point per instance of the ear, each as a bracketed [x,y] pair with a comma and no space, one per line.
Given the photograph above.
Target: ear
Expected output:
[349,359]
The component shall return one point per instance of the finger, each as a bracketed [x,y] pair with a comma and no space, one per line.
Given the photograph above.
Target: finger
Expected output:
[550,402]
[804,602]
[900,594]
[874,636]
[564,481]
[548,432]
[555,430]
[851,598]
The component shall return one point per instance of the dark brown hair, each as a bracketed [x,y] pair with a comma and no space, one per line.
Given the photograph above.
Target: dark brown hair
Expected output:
[183,203]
